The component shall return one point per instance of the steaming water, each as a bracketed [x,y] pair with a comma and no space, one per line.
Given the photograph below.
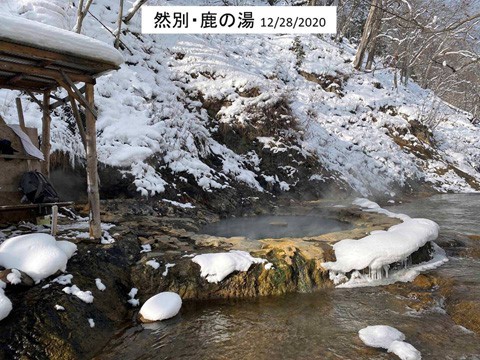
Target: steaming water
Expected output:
[274,226]
[321,325]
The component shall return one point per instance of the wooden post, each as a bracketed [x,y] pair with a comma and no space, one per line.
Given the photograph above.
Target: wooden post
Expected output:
[21,119]
[46,133]
[54,227]
[92,171]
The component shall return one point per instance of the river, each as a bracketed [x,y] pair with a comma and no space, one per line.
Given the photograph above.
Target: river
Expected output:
[321,325]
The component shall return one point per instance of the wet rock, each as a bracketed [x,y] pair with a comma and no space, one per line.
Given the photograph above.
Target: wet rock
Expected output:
[25,279]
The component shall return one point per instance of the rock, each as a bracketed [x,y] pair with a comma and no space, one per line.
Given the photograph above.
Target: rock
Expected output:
[146,241]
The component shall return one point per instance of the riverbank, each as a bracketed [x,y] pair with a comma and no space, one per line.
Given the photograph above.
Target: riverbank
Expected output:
[36,328]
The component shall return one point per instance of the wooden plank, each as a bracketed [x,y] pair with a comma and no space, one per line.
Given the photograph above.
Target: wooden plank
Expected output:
[18,157]
[92,171]
[78,95]
[40,71]
[21,119]
[73,60]
[46,133]
[34,206]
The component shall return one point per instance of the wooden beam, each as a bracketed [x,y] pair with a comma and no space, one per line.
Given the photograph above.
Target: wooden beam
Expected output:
[63,101]
[46,133]
[78,95]
[69,60]
[21,119]
[40,71]
[92,171]
[34,98]
[78,119]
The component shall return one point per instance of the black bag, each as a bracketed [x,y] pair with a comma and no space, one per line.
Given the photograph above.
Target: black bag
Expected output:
[6,148]
[37,188]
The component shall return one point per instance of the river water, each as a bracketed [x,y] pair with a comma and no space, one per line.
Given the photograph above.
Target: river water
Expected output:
[322,325]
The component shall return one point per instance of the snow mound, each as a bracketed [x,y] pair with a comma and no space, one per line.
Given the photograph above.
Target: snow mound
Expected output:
[161,306]
[404,350]
[216,267]
[383,247]
[380,336]
[390,339]
[377,251]
[5,305]
[37,255]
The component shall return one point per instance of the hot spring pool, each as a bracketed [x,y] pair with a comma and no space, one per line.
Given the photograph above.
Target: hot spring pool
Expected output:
[275,226]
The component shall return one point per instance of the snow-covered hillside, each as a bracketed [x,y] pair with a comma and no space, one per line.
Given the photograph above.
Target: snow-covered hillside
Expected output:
[165,110]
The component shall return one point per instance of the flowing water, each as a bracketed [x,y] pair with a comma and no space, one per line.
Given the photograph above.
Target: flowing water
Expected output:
[322,325]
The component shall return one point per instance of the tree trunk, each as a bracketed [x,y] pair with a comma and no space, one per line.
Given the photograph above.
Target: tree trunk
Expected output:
[119,25]
[133,10]
[370,32]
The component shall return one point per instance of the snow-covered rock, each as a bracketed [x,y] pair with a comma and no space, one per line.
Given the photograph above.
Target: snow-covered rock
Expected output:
[161,306]
[377,251]
[38,255]
[404,350]
[217,266]
[380,336]
[5,303]
[382,247]
[390,339]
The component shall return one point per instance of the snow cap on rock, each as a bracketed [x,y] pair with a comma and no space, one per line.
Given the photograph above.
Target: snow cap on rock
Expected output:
[161,306]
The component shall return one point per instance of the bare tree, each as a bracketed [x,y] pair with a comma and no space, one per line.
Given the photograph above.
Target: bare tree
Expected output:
[82,11]
[119,25]
[133,10]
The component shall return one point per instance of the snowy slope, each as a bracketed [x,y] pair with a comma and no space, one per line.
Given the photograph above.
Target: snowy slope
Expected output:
[162,111]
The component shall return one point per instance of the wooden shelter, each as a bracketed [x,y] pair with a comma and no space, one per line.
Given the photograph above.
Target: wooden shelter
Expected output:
[37,59]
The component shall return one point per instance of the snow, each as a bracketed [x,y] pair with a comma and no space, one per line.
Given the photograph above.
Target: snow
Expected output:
[161,306]
[404,350]
[132,301]
[269,266]
[178,204]
[38,255]
[153,263]
[146,248]
[382,247]
[5,304]
[377,251]
[14,277]
[380,336]
[63,279]
[91,322]
[167,266]
[217,266]
[35,34]
[59,307]
[100,285]
[390,339]
[152,108]
[85,296]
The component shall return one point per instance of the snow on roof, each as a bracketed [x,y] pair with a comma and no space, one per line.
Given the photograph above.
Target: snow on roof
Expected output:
[35,34]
